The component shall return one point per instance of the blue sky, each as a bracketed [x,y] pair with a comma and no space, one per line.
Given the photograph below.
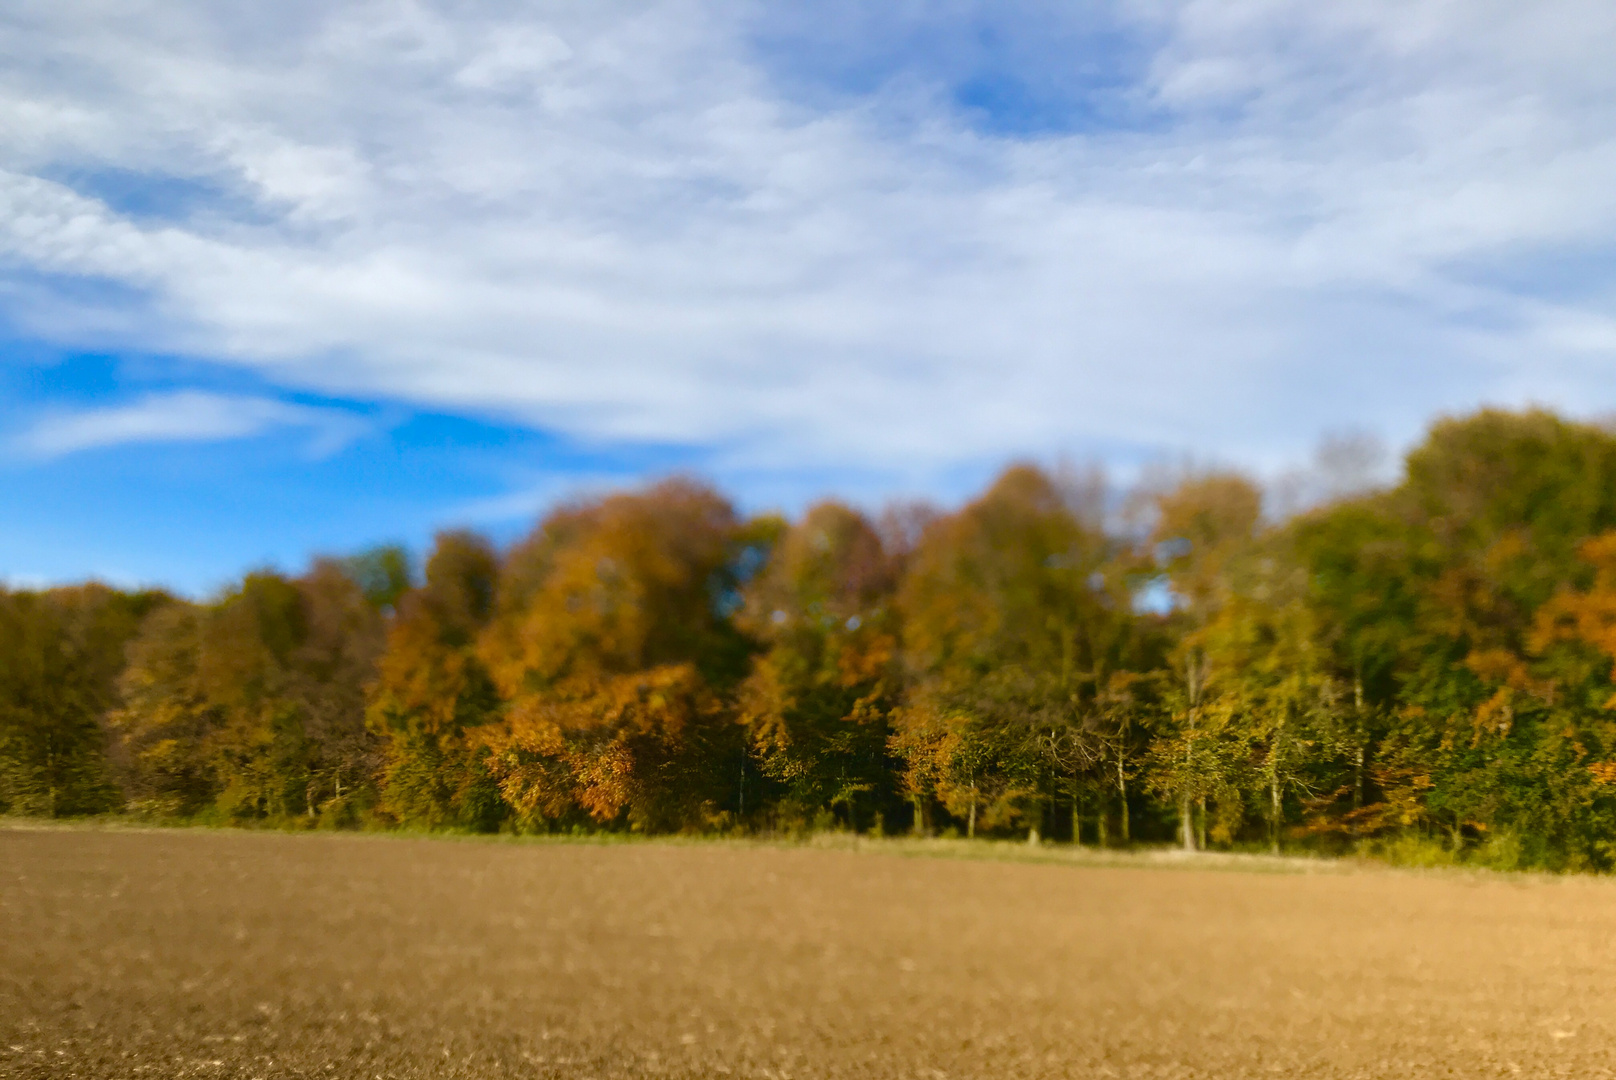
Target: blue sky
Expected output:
[279,279]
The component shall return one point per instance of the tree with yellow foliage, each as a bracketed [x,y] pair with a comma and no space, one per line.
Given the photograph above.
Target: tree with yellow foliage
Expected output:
[254,704]
[816,704]
[1204,538]
[432,688]
[1009,626]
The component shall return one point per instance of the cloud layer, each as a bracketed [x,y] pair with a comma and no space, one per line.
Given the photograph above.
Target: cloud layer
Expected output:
[895,237]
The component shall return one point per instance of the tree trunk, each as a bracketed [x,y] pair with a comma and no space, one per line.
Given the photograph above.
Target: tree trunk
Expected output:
[1046,816]
[1358,764]
[1202,807]
[1357,777]
[970,822]
[1273,817]
[1122,789]
[50,774]
[1186,824]
[1077,820]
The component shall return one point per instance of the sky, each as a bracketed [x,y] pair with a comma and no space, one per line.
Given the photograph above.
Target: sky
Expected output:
[301,277]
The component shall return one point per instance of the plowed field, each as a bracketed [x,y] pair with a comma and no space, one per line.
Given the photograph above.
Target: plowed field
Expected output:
[216,954]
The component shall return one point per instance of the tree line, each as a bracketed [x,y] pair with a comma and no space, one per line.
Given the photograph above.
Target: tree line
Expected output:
[1426,665]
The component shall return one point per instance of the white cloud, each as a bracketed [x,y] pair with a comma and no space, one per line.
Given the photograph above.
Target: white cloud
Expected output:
[617,222]
[513,59]
[186,416]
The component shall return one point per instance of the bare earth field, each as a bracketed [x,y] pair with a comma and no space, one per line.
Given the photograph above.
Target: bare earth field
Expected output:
[218,954]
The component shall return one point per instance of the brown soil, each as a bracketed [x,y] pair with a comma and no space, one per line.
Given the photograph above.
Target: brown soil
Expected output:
[166,954]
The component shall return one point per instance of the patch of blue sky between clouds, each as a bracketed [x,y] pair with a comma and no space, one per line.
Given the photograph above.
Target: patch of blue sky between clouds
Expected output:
[1019,68]
[192,515]
[161,197]
[89,403]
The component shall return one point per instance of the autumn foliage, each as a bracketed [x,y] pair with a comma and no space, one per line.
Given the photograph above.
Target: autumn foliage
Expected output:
[1429,662]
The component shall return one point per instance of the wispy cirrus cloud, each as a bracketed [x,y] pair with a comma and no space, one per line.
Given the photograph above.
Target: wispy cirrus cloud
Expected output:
[185,416]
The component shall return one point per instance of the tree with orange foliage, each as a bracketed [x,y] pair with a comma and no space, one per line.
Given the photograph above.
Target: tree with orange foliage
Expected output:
[1587,616]
[1576,632]
[612,646]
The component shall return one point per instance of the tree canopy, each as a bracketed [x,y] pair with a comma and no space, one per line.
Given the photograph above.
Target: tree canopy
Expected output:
[1429,662]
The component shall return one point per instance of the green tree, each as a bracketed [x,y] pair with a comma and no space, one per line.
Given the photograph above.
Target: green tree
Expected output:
[254,704]
[382,574]
[60,654]
[817,701]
